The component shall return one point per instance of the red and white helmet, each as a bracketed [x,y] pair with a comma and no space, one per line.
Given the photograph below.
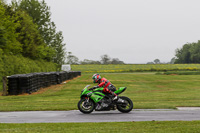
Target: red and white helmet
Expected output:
[96,78]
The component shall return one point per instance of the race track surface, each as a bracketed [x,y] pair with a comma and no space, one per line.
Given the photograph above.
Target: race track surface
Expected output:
[103,116]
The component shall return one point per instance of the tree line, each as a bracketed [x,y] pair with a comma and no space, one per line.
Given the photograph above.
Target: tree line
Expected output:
[105,59]
[26,29]
[157,61]
[189,53]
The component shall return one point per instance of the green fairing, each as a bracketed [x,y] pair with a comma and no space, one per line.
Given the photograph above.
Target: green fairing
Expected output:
[95,95]
[99,89]
[99,93]
[84,92]
[96,98]
[120,90]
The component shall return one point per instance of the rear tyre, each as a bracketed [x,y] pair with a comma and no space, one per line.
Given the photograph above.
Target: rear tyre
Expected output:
[126,106]
[86,106]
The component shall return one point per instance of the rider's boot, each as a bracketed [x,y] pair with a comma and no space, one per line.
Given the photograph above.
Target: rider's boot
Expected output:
[115,97]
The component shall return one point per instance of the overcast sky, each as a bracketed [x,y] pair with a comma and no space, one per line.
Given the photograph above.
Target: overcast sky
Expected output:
[135,31]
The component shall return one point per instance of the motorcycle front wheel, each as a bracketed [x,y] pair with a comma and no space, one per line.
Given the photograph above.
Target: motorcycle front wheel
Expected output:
[86,106]
[126,106]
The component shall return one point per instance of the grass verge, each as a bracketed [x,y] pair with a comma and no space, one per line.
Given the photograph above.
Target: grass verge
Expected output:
[119,127]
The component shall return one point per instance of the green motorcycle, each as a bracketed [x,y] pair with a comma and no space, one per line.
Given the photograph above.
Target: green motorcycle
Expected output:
[90,98]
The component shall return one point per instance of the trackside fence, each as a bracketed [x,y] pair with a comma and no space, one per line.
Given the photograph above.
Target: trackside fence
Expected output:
[32,82]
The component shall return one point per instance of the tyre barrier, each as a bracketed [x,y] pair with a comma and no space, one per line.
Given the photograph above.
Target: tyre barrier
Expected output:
[32,82]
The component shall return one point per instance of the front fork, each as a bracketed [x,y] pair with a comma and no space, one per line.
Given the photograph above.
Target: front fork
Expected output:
[87,99]
[86,103]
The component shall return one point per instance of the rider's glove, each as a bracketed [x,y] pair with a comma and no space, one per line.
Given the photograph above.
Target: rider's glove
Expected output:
[95,87]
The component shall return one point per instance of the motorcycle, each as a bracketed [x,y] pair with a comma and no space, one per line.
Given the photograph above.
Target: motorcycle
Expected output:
[90,98]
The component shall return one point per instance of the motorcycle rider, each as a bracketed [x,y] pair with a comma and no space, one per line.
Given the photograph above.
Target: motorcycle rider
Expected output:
[109,88]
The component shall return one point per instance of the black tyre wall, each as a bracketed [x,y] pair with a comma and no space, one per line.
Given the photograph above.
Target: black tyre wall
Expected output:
[32,82]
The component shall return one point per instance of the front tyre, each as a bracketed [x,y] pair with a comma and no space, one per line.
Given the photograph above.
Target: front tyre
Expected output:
[125,106]
[86,106]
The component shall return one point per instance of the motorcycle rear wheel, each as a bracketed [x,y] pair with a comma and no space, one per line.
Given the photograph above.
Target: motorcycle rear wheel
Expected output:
[85,106]
[125,107]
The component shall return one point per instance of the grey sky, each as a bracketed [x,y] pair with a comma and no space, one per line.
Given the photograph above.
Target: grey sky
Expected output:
[135,31]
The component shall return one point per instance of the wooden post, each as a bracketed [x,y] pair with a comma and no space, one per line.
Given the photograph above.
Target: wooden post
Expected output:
[5,87]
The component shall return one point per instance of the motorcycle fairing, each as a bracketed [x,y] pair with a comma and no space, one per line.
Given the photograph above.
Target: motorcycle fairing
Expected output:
[120,90]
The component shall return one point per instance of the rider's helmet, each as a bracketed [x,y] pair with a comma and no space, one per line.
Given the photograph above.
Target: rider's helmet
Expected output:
[96,78]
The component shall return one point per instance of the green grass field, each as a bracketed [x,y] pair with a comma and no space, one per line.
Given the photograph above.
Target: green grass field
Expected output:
[1,86]
[112,127]
[146,90]
[131,68]
[135,68]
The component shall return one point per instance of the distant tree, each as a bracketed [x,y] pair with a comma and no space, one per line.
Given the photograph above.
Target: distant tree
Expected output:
[183,54]
[86,61]
[172,60]
[116,61]
[105,59]
[72,59]
[195,52]
[157,61]
[59,47]
[150,62]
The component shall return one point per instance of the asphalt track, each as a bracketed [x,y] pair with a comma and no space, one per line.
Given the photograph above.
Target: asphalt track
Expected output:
[103,116]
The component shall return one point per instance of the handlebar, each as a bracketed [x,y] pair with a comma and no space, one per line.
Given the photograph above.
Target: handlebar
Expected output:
[91,89]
